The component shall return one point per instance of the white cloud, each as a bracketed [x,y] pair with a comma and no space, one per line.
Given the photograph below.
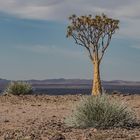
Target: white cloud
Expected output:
[128,11]
[53,50]
[54,9]
[129,29]
[136,47]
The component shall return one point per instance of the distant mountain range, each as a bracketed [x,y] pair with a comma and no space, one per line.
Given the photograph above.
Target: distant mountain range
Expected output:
[82,82]
[75,86]
[72,82]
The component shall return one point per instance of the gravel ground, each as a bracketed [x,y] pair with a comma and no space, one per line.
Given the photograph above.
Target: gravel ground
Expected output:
[39,117]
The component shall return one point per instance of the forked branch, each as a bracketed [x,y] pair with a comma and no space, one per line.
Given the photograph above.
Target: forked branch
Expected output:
[93,33]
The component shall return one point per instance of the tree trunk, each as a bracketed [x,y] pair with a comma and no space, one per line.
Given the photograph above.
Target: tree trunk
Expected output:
[96,88]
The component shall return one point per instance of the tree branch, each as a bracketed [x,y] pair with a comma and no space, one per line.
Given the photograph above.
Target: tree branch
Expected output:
[104,47]
[82,44]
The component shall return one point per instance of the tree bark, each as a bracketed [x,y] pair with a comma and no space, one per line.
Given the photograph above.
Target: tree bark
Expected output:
[96,88]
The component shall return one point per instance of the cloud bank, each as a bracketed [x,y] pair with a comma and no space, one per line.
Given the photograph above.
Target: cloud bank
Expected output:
[127,11]
[60,9]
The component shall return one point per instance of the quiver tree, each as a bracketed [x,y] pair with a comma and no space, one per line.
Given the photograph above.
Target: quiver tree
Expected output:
[94,34]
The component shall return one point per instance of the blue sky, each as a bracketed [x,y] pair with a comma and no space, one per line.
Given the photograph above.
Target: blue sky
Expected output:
[33,43]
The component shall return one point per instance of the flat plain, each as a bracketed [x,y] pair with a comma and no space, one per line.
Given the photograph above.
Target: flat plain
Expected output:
[41,117]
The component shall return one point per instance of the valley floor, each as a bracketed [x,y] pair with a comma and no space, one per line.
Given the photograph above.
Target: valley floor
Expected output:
[36,117]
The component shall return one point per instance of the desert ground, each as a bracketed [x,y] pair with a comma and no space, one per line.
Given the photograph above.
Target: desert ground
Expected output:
[41,117]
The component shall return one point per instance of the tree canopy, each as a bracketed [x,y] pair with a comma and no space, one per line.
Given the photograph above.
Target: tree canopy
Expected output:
[93,33]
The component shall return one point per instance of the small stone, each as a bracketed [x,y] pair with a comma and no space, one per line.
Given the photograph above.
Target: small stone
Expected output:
[27,138]
[58,137]
[6,121]
[94,130]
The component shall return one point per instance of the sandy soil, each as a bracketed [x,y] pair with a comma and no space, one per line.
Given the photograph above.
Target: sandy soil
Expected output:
[42,118]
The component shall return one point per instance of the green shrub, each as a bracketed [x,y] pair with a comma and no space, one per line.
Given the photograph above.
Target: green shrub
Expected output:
[18,88]
[100,112]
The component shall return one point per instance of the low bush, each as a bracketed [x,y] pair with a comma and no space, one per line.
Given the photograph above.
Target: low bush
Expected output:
[18,88]
[100,112]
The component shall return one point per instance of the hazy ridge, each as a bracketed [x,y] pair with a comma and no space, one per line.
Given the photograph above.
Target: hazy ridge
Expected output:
[77,86]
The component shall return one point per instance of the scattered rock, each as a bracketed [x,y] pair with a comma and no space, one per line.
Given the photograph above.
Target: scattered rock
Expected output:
[6,121]
[48,121]
[58,136]
[27,138]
